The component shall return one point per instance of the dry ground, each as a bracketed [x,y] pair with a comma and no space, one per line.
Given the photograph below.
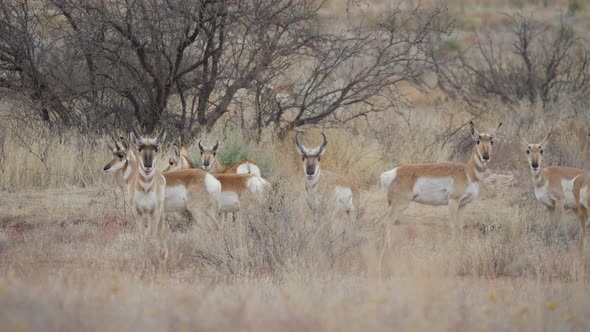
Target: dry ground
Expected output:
[70,260]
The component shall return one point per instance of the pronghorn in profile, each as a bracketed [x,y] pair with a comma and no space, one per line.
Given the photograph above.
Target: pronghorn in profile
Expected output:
[194,190]
[234,187]
[451,184]
[323,186]
[554,186]
[210,163]
[179,160]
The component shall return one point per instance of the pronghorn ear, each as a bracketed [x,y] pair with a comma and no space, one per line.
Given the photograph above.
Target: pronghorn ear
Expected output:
[136,140]
[323,146]
[474,131]
[544,141]
[175,150]
[522,140]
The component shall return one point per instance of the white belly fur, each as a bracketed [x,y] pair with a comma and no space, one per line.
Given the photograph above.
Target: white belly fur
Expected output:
[568,193]
[432,191]
[175,199]
[344,199]
[543,194]
[145,202]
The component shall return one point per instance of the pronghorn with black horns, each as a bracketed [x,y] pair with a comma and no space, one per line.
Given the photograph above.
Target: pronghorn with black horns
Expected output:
[211,164]
[150,185]
[190,189]
[234,187]
[451,184]
[322,186]
[179,159]
[557,188]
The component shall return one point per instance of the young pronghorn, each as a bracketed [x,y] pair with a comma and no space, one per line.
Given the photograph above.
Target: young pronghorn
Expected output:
[150,185]
[451,184]
[210,163]
[179,160]
[194,190]
[554,185]
[234,187]
[322,186]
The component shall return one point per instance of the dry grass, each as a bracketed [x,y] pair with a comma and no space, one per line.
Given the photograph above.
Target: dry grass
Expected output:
[70,258]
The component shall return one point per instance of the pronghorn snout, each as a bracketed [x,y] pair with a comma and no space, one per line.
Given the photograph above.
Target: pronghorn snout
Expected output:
[535,165]
[486,156]
[106,167]
[310,170]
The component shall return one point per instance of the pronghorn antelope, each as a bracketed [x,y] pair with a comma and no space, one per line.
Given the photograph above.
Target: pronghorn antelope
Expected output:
[554,186]
[451,184]
[323,186]
[179,160]
[234,187]
[210,163]
[194,190]
[150,185]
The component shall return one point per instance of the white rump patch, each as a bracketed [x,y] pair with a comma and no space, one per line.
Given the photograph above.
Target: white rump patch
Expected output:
[229,202]
[248,168]
[568,193]
[433,191]
[387,178]
[175,198]
[584,196]
[256,184]
[344,198]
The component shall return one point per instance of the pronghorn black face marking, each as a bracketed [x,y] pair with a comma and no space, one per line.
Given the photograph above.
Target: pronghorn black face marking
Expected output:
[119,150]
[208,155]
[484,142]
[311,157]
[148,148]
[534,154]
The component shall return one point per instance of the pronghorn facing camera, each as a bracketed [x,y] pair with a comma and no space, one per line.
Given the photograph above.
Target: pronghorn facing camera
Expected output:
[179,160]
[194,190]
[554,186]
[322,186]
[150,184]
[451,184]
[211,164]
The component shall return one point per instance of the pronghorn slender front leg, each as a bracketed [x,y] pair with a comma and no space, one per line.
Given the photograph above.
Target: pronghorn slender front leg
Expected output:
[558,211]
[582,217]
[460,211]
[454,213]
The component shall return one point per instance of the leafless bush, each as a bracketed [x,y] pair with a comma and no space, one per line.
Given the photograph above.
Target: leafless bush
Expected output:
[539,65]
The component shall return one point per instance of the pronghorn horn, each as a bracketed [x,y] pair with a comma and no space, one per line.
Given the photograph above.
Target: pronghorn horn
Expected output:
[136,136]
[497,128]
[474,131]
[544,141]
[201,148]
[324,143]
[299,145]
[116,143]
[216,146]
[124,141]
[161,136]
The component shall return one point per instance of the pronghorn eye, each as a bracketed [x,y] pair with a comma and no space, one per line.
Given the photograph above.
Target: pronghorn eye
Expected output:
[492,142]
[541,151]
[140,148]
[477,142]
[171,163]
[319,158]
[528,151]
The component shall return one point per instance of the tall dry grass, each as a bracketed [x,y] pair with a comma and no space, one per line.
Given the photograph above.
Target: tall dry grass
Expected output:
[70,258]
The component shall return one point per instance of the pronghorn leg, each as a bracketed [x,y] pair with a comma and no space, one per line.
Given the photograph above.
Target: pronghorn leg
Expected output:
[454,213]
[582,217]
[460,211]
[557,215]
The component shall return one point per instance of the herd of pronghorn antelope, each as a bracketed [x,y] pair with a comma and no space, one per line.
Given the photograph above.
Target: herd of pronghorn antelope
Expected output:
[218,188]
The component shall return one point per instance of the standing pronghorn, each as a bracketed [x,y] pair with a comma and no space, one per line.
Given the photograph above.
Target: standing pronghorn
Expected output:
[329,187]
[150,185]
[210,163]
[234,187]
[451,184]
[193,189]
[554,185]
[179,160]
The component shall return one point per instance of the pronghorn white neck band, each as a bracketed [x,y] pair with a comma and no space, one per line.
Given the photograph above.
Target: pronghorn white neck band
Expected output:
[147,175]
